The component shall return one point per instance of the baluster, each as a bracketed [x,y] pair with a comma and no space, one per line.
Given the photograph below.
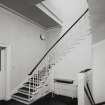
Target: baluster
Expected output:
[37,78]
[33,83]
[29,89]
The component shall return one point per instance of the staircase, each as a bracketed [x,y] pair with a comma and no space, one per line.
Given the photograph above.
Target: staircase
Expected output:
[37,84]
[31,90]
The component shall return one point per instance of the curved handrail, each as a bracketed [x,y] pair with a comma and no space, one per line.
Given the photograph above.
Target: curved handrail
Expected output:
[86,70]
[57,42]
[90,93]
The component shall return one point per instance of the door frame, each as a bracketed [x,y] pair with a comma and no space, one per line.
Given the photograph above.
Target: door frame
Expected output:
[7,67]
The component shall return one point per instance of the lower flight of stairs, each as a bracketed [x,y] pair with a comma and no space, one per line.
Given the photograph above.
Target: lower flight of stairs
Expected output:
[31,90]
[24,95]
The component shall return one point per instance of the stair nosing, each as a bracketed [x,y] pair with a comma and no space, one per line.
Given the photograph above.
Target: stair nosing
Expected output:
[22,100]
[30,86]
[25,85]
[26,93]
[19,97]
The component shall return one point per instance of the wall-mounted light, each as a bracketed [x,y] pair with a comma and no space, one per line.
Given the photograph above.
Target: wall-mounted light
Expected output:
[42,37]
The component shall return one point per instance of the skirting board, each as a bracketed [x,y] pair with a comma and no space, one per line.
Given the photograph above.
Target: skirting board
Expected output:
[101,103]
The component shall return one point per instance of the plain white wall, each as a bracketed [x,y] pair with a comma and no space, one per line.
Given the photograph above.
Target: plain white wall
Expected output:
[26,46]
[68,12]
[99,71]
[79,57]
[97,17]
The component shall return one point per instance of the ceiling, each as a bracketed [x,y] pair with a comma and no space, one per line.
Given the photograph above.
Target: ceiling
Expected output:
[28,9]
[97,17]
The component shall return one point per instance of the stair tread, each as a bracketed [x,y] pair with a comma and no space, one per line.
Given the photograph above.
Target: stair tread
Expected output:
[25,89]
[34,78]
[22,96]
[35,88]
[31,86]
[27,93]
[27,102]
[22,99]
[27,83]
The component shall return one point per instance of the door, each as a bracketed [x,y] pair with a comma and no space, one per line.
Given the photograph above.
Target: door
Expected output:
[2,74]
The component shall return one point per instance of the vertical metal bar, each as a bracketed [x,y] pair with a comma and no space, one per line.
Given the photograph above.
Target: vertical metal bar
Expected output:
[33,83]
[36,82]
[29,89]
[37,78]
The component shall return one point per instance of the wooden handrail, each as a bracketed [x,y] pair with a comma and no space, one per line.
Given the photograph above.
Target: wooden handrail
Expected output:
[57,42]
[86,70]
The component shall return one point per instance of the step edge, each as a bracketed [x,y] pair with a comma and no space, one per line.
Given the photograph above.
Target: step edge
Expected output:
[21,98]
[22,101]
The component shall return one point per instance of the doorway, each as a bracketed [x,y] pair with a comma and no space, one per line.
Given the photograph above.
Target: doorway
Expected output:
[2,73]
[5,67]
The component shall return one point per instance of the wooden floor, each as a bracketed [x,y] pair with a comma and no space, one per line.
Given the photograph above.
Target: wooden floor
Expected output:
[57,100]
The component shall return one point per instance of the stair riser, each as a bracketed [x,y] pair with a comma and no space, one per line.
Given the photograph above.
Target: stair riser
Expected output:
[28,93]
[22,101]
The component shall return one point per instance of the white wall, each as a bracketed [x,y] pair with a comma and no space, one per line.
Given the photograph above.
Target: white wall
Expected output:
[97,11]
[75,61]
[97,17]
[99,72]
[26,46]
[68,12]
[76,52]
